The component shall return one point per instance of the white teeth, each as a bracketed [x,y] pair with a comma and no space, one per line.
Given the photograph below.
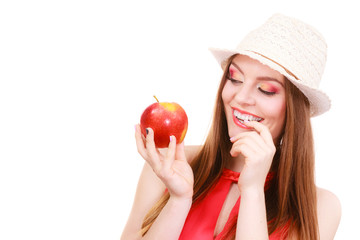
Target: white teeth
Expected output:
[246,117]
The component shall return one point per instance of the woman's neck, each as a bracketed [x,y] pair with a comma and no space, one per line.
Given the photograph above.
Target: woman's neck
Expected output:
[236,164]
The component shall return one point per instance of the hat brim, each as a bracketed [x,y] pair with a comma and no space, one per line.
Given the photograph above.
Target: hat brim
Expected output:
[319,101]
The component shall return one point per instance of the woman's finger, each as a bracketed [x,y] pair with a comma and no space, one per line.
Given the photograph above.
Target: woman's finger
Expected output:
[252,135]
[152,153]
[254,140]
[170,155]
[262,130]
[140,144]
[245,146]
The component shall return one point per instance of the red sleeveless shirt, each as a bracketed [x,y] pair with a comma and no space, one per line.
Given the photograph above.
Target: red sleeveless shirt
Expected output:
[201,220]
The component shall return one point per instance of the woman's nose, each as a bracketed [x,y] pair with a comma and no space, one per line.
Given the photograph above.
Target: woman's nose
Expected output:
[245,95]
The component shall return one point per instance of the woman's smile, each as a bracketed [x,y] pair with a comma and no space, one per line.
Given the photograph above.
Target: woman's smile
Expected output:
[240,117]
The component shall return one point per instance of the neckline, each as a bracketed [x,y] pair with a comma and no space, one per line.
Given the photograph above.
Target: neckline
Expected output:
[234,176]
[230,174]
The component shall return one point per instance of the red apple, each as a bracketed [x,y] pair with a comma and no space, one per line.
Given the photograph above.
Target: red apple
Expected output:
[165,119]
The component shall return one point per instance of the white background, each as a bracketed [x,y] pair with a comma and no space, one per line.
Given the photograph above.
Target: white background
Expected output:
[76,76]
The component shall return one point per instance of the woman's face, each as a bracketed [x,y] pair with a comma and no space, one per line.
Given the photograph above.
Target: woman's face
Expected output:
[254,92]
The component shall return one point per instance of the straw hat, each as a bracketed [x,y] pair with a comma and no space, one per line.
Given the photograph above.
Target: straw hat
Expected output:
[291,47]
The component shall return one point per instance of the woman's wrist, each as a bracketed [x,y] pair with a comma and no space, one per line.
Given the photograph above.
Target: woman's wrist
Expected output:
[179,206]
[180,201]
[185,196]
[169,223]
[252,191]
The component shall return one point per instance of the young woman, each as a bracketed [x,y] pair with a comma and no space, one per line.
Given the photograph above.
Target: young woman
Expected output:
[254,176]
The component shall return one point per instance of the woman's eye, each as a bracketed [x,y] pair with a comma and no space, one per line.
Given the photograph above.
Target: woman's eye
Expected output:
[266,92]
[234,81]
[234,77]
[267,88]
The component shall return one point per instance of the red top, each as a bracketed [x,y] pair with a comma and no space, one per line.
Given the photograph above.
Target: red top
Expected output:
[201,220]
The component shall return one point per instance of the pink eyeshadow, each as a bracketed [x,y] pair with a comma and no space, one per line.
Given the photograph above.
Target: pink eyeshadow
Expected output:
[268,87]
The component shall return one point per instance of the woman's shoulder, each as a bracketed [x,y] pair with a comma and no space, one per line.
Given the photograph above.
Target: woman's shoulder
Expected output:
[329,213]
[327,199]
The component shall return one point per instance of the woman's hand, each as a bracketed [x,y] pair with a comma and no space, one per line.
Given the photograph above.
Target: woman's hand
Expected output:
[172,167]
[258,149]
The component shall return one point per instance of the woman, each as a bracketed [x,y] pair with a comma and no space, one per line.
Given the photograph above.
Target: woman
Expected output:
[254,176]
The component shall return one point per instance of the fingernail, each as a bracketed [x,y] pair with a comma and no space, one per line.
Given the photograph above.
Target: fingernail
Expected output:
[147,131]
[171,138]
[247,122]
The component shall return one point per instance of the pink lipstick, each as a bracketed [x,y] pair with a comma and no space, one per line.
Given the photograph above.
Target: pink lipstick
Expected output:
[239,117]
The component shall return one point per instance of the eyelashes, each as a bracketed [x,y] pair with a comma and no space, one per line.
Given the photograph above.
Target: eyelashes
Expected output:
[267,88]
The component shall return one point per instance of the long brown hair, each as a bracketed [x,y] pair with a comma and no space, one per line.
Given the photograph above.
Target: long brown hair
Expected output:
[291,195]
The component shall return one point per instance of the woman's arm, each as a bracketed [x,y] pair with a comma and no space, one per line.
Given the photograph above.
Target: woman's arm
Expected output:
[256,148]
[169,223]
[148,192]
[171,219]
[171,171]
[252,223]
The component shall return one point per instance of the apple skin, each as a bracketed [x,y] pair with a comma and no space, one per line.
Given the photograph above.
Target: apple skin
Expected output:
[165,119]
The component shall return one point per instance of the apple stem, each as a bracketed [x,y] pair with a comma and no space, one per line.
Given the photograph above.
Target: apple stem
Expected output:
[156,98]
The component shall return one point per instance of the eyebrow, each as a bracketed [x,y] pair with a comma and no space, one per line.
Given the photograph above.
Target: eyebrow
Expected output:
[264,78]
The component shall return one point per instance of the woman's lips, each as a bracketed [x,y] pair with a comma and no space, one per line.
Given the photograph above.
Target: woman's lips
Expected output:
[239,123]
[240,116]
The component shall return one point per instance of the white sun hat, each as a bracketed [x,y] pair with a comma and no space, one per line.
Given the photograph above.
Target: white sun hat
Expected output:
[291,47]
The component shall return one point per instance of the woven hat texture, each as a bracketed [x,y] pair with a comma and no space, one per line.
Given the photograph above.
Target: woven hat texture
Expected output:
[291,47]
